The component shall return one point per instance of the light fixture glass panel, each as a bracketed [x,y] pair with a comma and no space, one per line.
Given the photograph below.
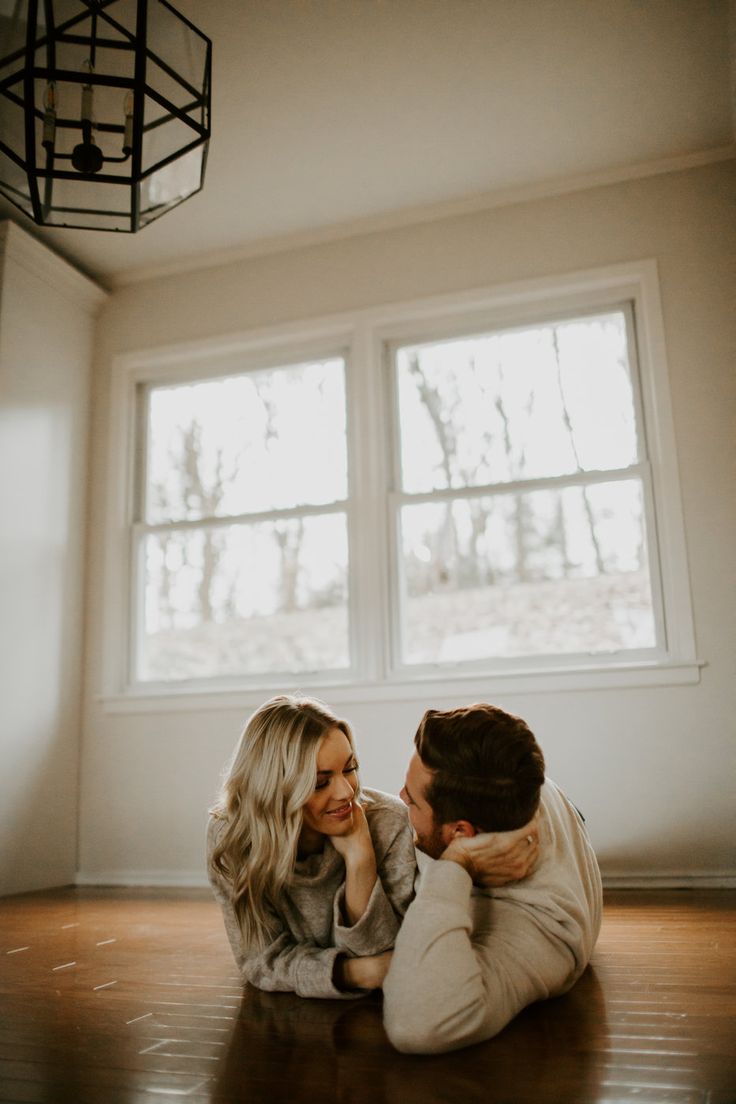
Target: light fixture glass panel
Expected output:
[64,10]
[13,178]
[14,184]
[13,29]
[163,135]
[92,195]
[170,185]
[172,40]
[175,91]
[92,220]
[122,12]
[12,118]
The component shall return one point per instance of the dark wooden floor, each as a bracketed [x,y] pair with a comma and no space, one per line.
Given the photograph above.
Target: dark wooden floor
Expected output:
[130,997]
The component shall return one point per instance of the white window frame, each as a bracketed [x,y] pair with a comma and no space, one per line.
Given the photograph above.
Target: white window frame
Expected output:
[140,528]
[364,339]
[640,469]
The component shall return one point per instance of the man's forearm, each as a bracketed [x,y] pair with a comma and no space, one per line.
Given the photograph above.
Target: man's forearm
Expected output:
[434,997]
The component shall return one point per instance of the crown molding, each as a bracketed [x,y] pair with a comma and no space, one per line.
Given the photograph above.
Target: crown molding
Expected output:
[36,259]
[410,216]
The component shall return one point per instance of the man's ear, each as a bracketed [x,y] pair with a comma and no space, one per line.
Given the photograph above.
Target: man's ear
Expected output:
[459,829]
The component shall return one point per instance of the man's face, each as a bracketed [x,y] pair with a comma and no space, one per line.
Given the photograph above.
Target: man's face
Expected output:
[429,836]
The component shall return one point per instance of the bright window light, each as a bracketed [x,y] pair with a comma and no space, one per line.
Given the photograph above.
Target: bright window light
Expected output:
[242,544]
[476,493]
[521,511]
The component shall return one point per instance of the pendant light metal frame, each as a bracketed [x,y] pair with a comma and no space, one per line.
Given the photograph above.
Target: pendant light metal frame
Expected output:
[46,169]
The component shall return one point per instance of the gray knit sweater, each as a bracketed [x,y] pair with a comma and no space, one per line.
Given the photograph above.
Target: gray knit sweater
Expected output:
[312,933]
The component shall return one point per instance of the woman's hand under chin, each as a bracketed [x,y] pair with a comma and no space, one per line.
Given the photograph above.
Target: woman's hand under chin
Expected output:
[356,848]
[355,845]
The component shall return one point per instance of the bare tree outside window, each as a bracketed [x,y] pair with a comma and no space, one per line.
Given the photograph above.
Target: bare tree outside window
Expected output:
[244,528]
[529,536]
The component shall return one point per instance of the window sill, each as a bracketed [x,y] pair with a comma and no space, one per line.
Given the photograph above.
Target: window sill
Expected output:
[473,687]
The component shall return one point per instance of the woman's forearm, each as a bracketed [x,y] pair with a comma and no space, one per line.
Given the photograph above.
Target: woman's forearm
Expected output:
[360,878]
[361,872]
[361,973]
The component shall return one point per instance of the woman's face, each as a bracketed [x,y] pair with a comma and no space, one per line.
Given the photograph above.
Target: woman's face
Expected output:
[329,811]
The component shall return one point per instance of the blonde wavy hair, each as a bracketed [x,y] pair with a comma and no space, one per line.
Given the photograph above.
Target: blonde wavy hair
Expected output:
[270,778]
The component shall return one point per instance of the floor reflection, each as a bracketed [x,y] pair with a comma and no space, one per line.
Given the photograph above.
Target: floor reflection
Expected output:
[285,1048]
[131,996]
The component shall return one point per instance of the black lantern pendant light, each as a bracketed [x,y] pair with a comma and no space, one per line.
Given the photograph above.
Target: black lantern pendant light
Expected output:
[104,111]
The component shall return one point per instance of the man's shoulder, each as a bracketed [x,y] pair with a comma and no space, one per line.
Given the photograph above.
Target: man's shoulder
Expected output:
[384,809]
[555,800]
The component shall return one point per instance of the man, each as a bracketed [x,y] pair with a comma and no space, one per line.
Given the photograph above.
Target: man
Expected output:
[467,958]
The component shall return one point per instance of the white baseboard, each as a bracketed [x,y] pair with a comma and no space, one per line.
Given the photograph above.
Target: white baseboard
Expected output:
[186,879]
[711,879]
[192,879]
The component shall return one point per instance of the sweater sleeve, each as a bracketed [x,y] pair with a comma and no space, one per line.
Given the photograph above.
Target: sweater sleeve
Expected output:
[284,965]
[287,966]
[377,928]
[449,986]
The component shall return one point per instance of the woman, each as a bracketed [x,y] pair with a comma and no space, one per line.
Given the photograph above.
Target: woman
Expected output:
[313,875]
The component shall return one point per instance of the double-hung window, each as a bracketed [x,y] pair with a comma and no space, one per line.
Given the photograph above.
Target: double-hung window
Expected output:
[241,536]
[478,488]
[522,518]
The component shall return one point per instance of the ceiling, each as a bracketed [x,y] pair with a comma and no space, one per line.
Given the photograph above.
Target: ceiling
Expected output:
[331,117]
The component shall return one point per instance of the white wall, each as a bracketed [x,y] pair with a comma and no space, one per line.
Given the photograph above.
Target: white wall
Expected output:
[653,769]
[46,324]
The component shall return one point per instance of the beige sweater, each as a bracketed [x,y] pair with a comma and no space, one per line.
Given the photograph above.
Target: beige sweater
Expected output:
[312,932]
[468,960]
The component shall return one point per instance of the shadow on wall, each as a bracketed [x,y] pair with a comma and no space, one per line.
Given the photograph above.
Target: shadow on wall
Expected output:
[38,806]
[661,862]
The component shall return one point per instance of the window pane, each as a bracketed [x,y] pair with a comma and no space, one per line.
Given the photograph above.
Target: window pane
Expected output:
[543,573]
[262,441]
[246,599]
[519,404]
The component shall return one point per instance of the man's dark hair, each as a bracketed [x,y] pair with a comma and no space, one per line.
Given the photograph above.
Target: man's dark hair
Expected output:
[488,767]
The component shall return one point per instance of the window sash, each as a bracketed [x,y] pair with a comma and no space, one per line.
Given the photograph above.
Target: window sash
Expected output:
[398,498]
[219,521]
[268,363]
[455,330]
[140,529]
[402,669]
[520,486]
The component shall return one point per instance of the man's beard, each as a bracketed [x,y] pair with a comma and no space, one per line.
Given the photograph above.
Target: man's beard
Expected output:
[432,844]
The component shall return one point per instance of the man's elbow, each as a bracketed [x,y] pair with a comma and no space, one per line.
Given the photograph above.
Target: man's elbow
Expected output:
[413,1032]
[414,1039]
